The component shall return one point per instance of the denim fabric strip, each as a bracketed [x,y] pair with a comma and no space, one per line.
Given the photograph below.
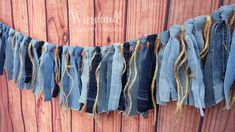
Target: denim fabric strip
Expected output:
[22,53]
[116,78]
[19,38]
[164,37]
[198,30]
[92,87]
[85,73]
[74,81]
[134,90]
[216,60]
[127,57]
[46,70]
[167,83]
[37,50]
[4,36]
[230,72]
[63,100]
[28,65]
[145,71]
[56,90]
[197,84]
[10,53]
[104,77]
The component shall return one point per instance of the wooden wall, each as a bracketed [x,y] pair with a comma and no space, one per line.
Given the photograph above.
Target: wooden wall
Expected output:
[57,21]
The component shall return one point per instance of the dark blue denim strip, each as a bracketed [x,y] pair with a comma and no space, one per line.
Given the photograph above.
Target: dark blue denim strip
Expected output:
[127,57]
[146,69]
[92,91]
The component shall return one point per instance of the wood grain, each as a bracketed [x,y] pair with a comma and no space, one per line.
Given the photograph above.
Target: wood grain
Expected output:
[75,22]
[58,33]
[109,31]
[6,123]
[81,33]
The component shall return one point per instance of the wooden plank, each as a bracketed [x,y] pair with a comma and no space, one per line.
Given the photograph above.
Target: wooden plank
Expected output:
[6,123]
[21,25]
[58,33]
[219,120]
[108,32]
[143,18]
[37,16]
[189,119]
[181,10]
[5,120]
[81,34]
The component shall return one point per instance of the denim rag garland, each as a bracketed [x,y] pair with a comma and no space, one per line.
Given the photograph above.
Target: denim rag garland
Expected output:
[191,64]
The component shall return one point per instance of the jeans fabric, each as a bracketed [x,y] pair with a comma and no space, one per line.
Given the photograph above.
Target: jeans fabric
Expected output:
[146,71]
[167,83]
[71,82]
[46,70]
[19,38]
[216,60]
[10,53]
[135,84]
[105,72]
[92,87]
[37,51]
[164,38]
[196,77]
[116,78]
[85,73]
[127,56]
[24,64]
[56,90]
[3,42]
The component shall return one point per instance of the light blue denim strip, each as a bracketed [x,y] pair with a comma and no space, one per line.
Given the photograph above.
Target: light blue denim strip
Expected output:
[85,73]
[230,72]
[19,38]
[36,87]
[167,83]
[198,33]
[197,84]
[164,37]
[46,70]
[116,82]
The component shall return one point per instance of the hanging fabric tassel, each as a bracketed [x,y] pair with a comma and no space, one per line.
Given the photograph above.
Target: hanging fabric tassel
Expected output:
[164,38]
[197,84]
[157,46]
[36,54]
[116,78]
[85,73]
[145,71]
[92,87]
[167,83]
[10,53]
[230,73]
[127,56]
[3,42]
[46,70]
[216,60]
[58,69]
[16,67]
[178,63]
[22,54]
